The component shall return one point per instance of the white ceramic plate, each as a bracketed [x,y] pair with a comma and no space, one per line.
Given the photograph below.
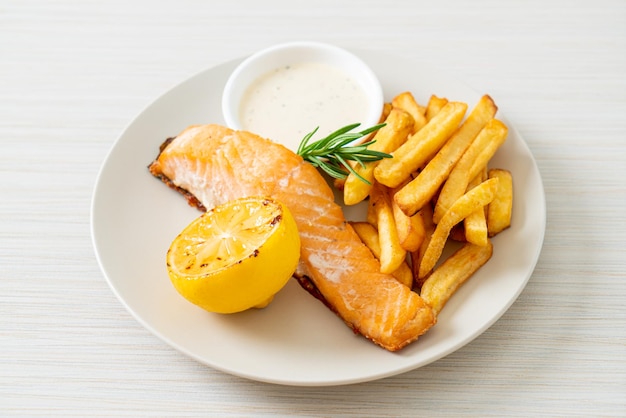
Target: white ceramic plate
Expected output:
[296,340]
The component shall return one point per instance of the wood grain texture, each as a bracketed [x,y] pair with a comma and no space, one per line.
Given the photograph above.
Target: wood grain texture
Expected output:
[74,73]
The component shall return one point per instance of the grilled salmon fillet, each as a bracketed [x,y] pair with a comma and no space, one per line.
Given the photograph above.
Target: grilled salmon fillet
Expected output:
[211,164]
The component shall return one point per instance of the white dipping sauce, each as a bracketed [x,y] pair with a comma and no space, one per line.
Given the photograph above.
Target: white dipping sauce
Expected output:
[287,103]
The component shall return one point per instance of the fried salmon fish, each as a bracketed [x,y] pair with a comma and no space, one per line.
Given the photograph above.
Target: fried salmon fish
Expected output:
[211,165]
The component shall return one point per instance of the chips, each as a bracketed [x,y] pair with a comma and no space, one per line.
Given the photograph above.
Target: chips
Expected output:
[456,270]
[398,125]
[418,148]
[473,200]
[422,189]
[410,228]
[406,102]
[369,235]
[475,158]
[475,225]
[391,252]
[437,187]
[500,209]
[435,104]
[426,215]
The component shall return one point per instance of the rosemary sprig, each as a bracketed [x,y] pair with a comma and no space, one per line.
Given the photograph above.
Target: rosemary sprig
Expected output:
[332,153]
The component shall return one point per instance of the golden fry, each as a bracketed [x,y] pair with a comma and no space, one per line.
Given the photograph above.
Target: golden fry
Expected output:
[421,189]
[475,225]
[482,148]
[391,252]
[500,209]
[398,126]
[434,106]
[404,275]
[475,228]
[416,151]
[435,189]
[482,159]
[371,216]
[474,199]
[369,236]
[410,228]
[452,273]
[426,215]
[407,102]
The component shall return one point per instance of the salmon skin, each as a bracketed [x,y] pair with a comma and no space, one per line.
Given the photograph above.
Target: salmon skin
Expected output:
[211,165]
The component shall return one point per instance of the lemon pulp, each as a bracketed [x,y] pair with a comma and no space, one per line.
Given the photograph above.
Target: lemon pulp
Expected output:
[235,256]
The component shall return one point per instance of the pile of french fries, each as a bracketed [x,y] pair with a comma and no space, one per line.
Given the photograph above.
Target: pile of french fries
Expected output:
[437,187]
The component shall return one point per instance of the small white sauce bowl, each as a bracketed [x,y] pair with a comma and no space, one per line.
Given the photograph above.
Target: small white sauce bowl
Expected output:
[278,56]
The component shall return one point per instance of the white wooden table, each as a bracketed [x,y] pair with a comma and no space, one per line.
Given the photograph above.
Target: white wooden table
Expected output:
[73,74]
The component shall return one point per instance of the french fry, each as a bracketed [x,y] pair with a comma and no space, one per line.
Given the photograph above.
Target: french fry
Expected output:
[404,274]
[475,225]
[396,131]
[474,199]
[452,273]
[391,252]
[419,147]
[421,189]
[410,228]
[435,189]
[426,215]
[482,148]
[407,102]
[369,236]
[485,155]
[500,209]
[371,216]
[434,106]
